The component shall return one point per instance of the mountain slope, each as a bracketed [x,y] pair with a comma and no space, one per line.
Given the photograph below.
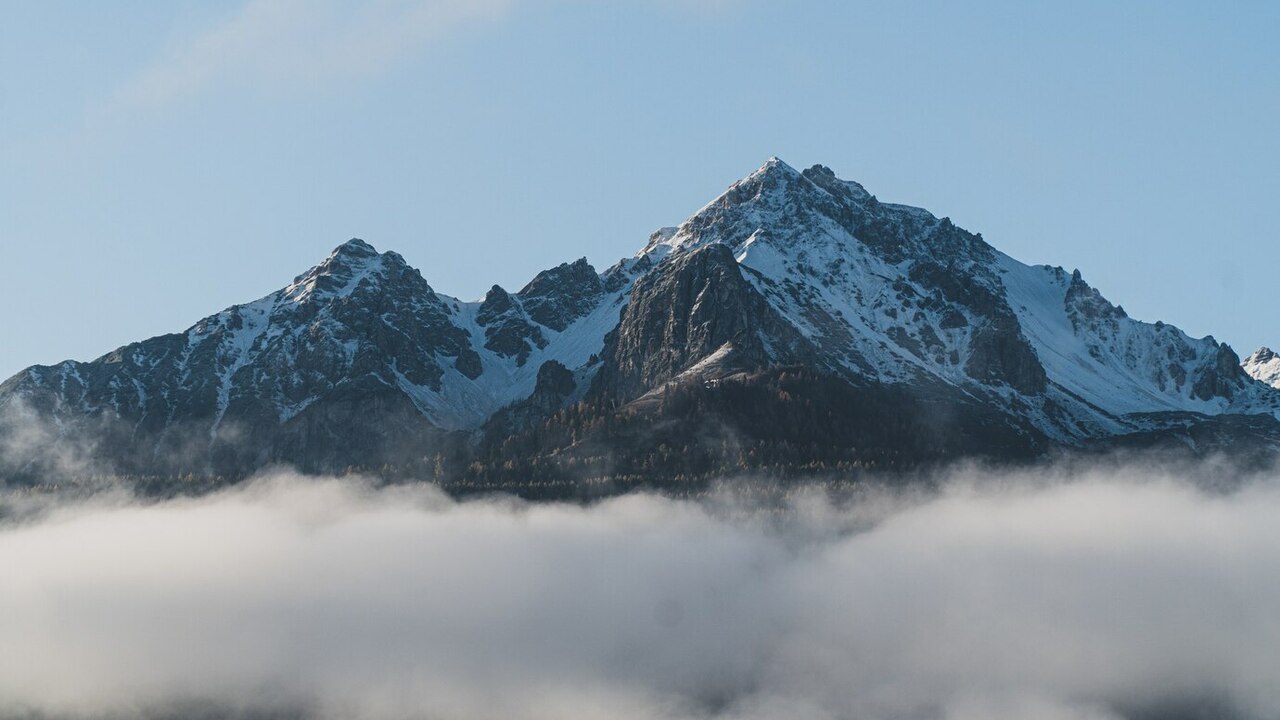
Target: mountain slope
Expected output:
[360,362]
[893,293]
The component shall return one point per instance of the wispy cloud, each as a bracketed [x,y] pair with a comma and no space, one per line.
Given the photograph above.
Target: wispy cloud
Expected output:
[286,45]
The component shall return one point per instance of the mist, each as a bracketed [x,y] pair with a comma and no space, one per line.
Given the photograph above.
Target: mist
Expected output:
[1122,592]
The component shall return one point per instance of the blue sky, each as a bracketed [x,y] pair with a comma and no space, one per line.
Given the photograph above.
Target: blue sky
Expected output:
[162,160]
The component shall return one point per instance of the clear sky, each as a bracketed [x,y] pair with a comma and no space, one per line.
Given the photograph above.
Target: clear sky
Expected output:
[162,160]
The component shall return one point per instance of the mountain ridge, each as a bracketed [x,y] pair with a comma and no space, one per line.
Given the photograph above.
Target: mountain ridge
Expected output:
[359,361]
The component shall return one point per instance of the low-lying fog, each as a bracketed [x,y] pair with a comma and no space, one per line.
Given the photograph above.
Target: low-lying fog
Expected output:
[1107,594]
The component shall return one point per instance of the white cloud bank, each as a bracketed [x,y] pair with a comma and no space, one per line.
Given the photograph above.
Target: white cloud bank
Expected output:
[1101,598]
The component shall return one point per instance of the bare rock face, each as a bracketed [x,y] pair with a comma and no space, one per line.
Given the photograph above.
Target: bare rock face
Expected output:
[691,307]
[557,297]
[1000,353]
[1223,378]
[508,330]
[554,381]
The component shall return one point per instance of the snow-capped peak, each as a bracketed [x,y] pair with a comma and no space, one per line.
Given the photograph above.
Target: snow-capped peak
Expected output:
[355,247]
[781,207]
[762,195]
[773,166]
[350,264]
[1263,365]
[1261,355]
[892,291]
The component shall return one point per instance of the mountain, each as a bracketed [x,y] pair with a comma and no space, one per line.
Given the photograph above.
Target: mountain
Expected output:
[794,324]
[1264,366]
[357,361]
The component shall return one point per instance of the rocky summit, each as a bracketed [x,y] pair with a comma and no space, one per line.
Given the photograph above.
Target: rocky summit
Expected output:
[794,325]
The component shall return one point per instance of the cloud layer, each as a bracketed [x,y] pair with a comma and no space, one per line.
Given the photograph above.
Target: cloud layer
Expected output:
[1106,596]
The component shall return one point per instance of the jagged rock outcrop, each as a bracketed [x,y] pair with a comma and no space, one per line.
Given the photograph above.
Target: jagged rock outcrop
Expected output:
[508,330]
[699,307]
[557,297]
[998,352]
[1223,378]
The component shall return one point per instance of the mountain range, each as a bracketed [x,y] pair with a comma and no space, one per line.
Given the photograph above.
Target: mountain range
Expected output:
[794,325]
